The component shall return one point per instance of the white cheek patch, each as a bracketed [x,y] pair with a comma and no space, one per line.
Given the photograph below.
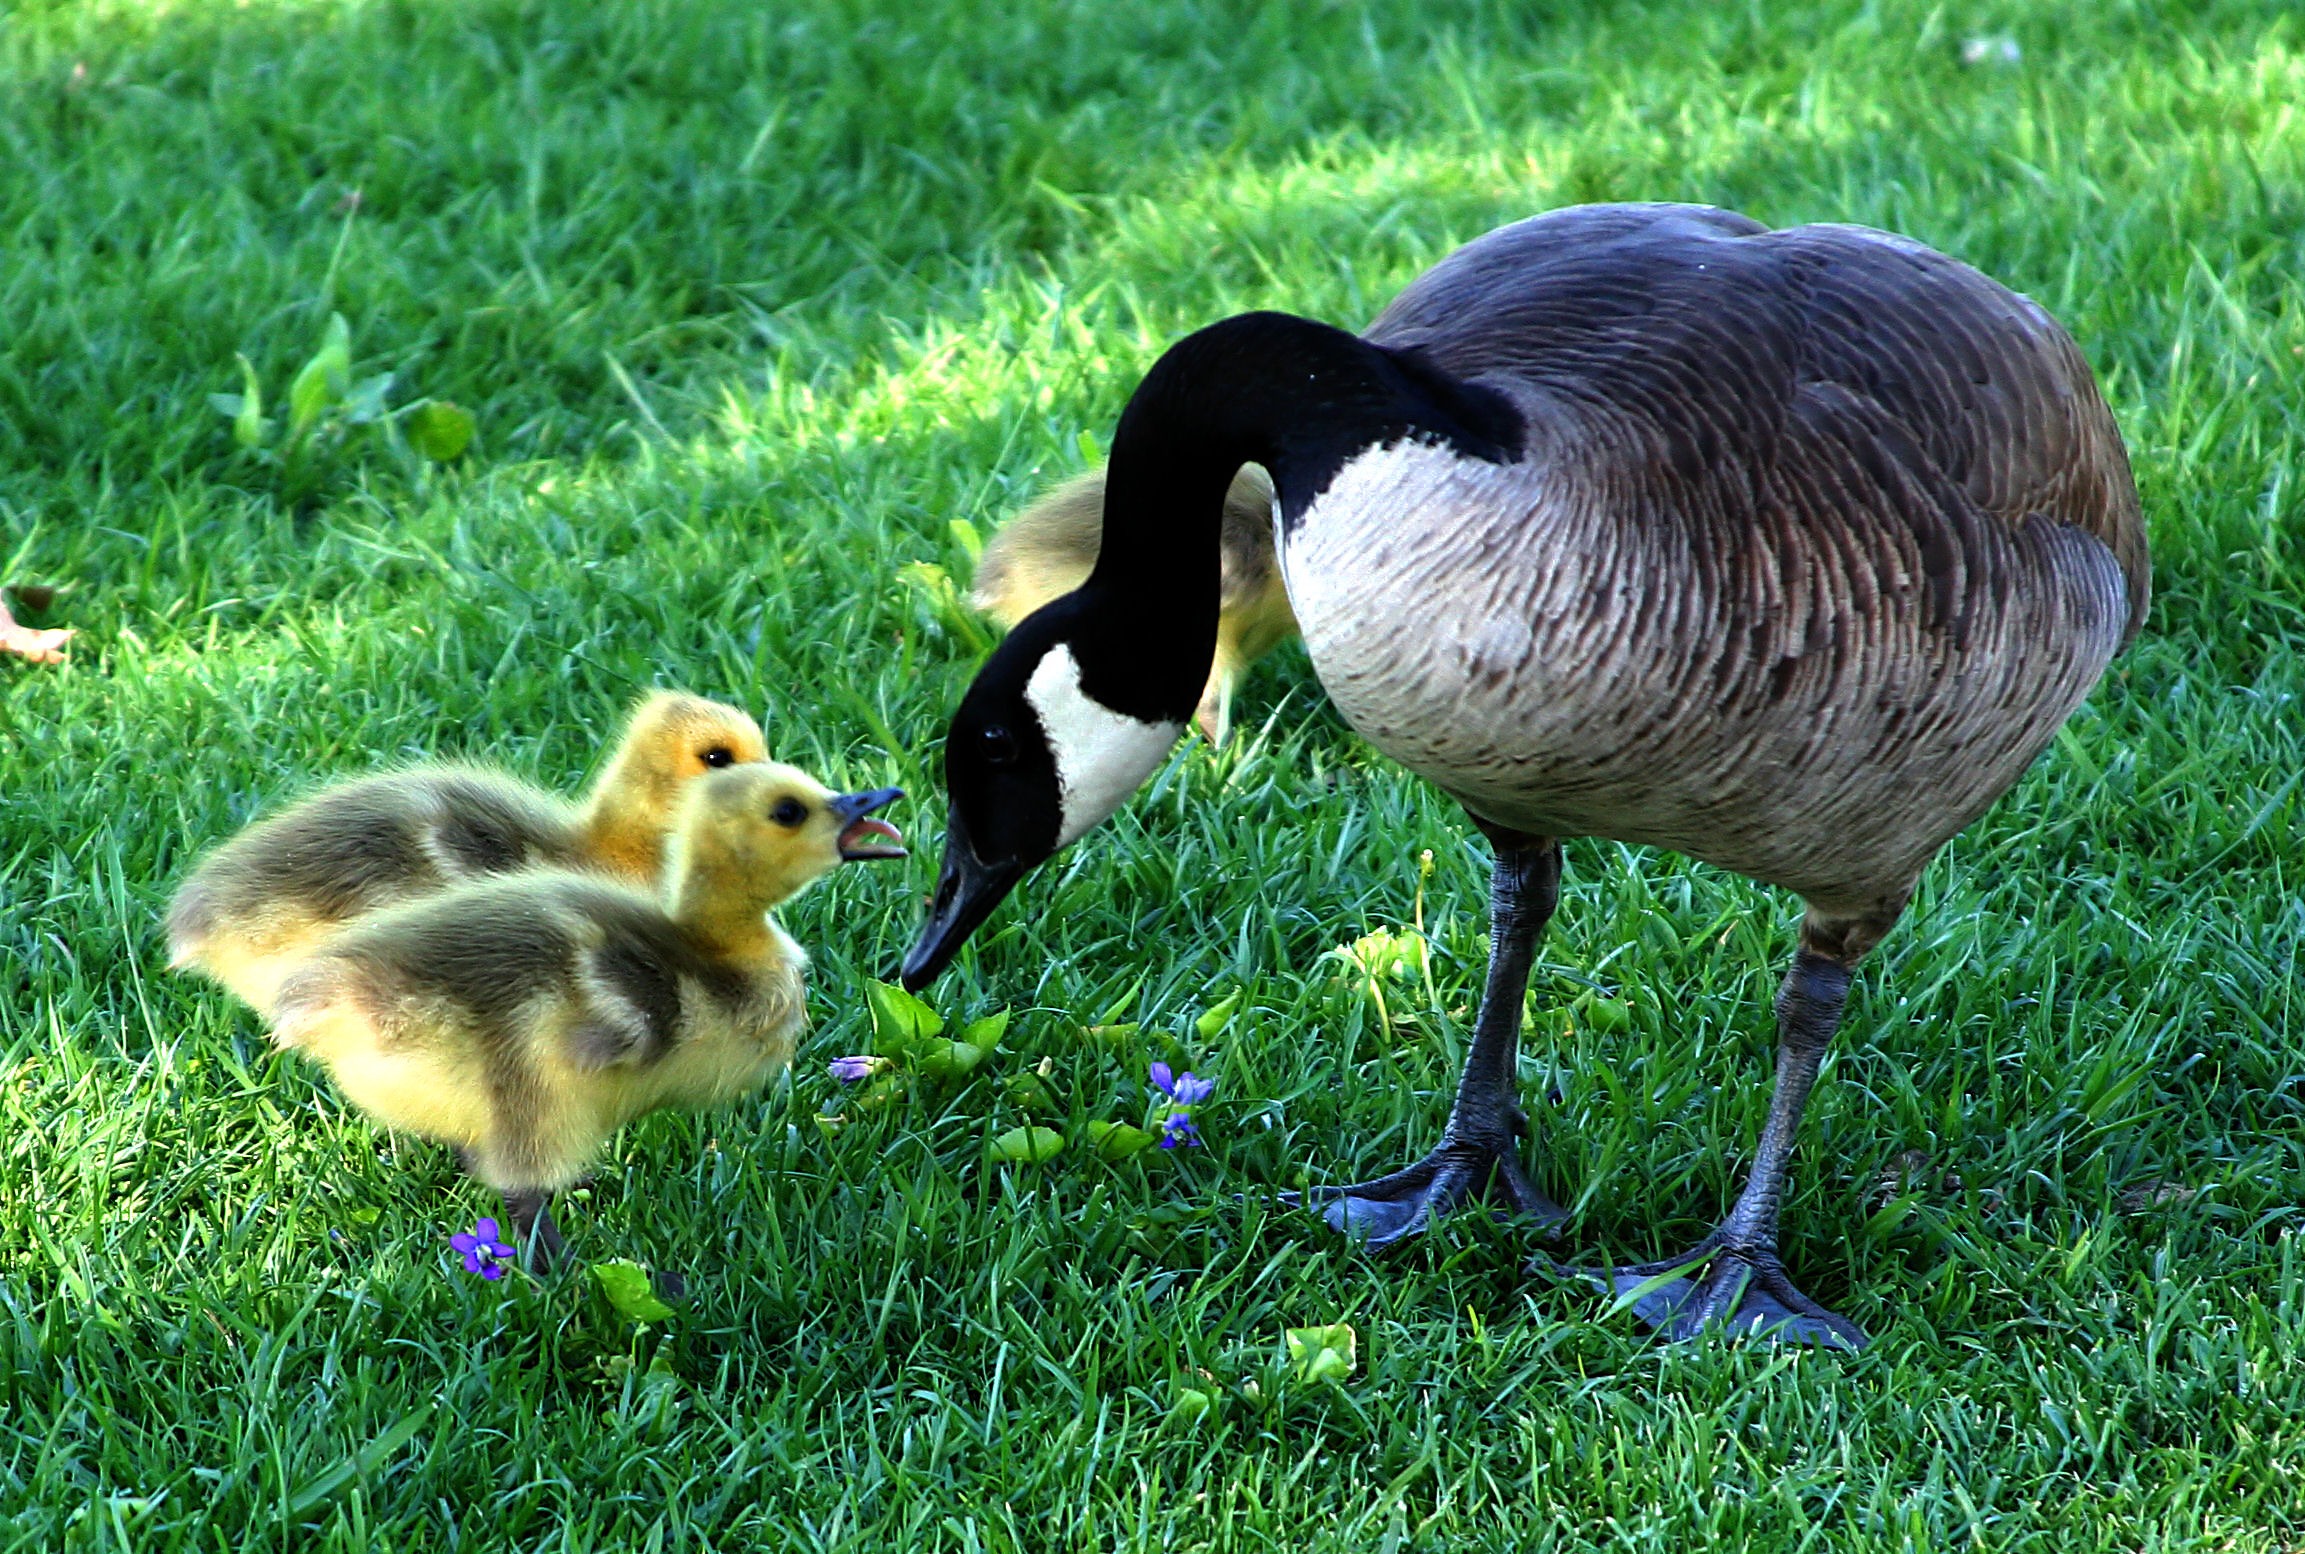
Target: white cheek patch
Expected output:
[1102,756]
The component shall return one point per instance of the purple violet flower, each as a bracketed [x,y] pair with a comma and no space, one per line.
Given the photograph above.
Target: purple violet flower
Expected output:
[1183,1090]
[849,1070]
[1186,1089]
[484,1254]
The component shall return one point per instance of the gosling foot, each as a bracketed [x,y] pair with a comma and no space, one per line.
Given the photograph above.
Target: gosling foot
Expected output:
[1742,1292]
[1393,1208]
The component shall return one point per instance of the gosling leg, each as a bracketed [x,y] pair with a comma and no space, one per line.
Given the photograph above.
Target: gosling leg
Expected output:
[533,1231]
[528,1213]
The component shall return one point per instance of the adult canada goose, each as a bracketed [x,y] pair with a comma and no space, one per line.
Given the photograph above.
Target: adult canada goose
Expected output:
[1049,549]
[525,1018]
[1788,550]
[264,900]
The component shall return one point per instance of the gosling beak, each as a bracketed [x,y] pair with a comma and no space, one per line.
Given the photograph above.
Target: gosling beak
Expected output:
[857,833]
[967,889]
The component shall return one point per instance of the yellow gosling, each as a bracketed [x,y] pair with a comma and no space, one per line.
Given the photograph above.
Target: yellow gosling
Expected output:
[268,898]
[524,1019]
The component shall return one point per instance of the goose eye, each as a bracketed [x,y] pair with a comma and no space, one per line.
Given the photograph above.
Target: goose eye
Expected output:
[998,745]
[718,756]
[788,812]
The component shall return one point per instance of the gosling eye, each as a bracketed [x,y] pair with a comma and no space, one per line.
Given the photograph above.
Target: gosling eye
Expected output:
[998,745]
[788,812]
[718,756]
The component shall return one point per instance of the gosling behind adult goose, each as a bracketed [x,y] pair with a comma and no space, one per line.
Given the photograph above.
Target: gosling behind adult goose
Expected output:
[1049,549]
[1788,550]
[265,899]
[524,1018]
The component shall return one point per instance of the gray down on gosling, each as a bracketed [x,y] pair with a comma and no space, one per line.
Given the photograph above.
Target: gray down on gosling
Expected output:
[1787,550]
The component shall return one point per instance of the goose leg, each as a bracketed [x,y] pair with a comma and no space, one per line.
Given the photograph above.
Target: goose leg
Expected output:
[1734,1276]
[1479,1153]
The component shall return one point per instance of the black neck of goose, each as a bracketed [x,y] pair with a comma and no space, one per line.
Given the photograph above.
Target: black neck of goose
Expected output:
[1301,399]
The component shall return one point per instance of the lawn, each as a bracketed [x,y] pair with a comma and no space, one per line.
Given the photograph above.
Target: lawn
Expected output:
[748,305]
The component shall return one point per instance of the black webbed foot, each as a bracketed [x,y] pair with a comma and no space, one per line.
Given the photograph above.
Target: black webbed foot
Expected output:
[1740,1293]
[1393,1208]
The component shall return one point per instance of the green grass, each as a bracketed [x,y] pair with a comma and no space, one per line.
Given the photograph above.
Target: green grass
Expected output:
[749,302]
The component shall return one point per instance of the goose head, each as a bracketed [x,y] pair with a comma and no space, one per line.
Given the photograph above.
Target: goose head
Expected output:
[1063,723]
[1083,700]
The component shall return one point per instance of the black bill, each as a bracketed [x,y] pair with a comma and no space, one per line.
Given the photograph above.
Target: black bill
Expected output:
[967,889]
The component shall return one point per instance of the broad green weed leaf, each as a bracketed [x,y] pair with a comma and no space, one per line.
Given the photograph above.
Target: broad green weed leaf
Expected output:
[1323,1353]
[248,428]
[626,1285]
[659,1384]
[335,356]
[930,579]
[1219,1016]
[949,1060]
[307,397]
[901,1023]
[1027,1146]
[1189,1404]
[944,601]
[1029,1091]
[326,378]
[1388,952]
[440,430]
[1603,1014]
[877,1094]
[1117,1140]
[965,536]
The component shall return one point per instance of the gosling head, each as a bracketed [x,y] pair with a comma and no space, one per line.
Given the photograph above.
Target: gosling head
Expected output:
[671,736]
[758,834]
[669,739]
[1062,724]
